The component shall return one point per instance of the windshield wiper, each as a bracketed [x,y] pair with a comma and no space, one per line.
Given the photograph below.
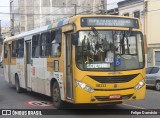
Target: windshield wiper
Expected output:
[129,32]
[127,35]
[95,32]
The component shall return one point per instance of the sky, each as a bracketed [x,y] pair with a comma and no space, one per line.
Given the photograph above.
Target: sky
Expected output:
[5,18]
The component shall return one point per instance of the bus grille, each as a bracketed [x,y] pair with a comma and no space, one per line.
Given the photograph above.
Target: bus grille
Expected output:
[106,98]
[114,79]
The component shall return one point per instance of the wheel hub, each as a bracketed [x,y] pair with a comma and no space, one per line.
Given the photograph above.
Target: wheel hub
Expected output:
[158,86]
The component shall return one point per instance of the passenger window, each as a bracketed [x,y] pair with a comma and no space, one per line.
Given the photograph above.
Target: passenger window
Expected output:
[148,70]
[20,48]
[154,70]
[5,50]
[126,14]
[56,39]
[35,46]
[44,48]
[14,46]
[137,14]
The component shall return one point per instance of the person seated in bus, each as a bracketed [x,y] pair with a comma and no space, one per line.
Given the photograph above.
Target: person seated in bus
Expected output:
[55,49]
[56,44]
[58,53]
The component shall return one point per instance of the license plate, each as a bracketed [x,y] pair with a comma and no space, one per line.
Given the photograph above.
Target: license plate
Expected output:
[115,96]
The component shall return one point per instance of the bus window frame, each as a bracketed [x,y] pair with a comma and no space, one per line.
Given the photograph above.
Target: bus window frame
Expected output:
[18,48]
[46,43]
[52,56]
[35,46]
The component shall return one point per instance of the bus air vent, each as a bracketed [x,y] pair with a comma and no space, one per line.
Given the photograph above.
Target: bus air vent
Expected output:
[114,79]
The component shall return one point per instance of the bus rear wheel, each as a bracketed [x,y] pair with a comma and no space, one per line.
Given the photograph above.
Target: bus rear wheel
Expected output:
[56,96]
[17,84]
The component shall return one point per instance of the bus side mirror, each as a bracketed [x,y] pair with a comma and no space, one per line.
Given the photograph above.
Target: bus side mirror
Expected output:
[74,39]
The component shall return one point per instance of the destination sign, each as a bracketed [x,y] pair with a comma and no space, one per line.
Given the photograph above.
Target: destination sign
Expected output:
[109,22]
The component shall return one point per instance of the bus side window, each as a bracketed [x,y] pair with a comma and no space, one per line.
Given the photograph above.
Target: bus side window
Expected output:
[20,48]
[17,48]
[5,50]
[14,46]
[44,50]
[56,38]
[35,46]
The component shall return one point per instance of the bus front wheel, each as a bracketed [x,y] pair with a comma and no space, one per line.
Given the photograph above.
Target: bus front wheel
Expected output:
[17,84]
[56,96]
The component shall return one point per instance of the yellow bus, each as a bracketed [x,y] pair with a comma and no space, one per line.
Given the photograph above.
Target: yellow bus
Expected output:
[85,59]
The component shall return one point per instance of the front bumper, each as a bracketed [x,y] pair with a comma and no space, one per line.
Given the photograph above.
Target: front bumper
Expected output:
[102,96]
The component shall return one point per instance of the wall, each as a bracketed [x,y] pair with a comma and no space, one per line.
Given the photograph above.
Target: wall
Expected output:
[14,15]
[152,48]
[37,13]
[150,25]
[153,22]
[131,9]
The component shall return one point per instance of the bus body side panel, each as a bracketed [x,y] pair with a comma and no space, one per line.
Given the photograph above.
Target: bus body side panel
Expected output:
[38,75]
[52,74]
[20,71]
[59,78]
[13,70]
[6,73]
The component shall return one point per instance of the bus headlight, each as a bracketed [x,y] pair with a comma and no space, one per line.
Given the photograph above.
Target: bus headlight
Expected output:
[139,85]
[84,86]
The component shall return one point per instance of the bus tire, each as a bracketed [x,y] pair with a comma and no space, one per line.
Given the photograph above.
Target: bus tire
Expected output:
[17,84]
[56,96]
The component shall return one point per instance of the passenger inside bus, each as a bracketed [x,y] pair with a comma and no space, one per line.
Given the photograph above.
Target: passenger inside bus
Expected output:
[56,43]
[58,53]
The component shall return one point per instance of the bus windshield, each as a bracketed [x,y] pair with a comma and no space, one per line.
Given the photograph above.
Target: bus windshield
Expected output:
[109,50]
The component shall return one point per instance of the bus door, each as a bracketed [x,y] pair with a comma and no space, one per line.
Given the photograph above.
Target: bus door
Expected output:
[9,63]
[69,74]
[28,64]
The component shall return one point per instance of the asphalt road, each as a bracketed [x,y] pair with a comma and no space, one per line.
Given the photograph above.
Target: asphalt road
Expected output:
[10,99]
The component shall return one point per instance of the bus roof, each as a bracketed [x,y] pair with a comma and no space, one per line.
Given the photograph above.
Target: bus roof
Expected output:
[56,25]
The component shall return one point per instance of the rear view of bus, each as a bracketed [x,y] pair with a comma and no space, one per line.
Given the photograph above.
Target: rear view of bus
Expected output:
[108,60]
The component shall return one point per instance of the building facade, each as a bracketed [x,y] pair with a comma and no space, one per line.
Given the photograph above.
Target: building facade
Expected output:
[29,14]
[5,33]
[132,8]
[152,31]
[112,11]
[149,14]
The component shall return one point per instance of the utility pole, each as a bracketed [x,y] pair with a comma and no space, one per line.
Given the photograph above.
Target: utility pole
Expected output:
[12,24]
[1,39]
[103,7]
[106,6]
[75,8]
